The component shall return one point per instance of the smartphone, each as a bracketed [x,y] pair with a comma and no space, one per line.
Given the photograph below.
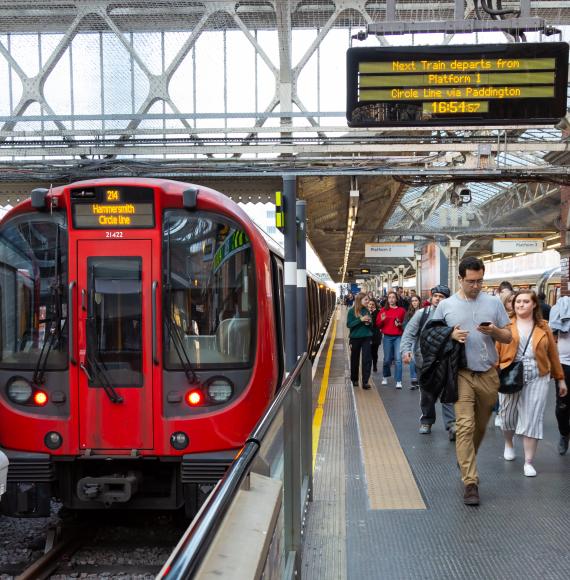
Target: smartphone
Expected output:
[485,323]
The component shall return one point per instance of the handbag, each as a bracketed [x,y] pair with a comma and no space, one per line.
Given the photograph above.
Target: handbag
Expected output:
[512,377]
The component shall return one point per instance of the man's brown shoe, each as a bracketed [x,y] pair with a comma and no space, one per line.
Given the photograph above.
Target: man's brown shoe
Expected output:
[471,495]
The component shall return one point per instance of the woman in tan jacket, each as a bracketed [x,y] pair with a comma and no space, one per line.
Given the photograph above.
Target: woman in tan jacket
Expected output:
[523,412]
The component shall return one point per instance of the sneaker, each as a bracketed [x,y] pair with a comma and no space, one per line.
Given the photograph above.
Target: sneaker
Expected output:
[498,422]
[355,383]
[413,388]
[509,453]
[384,381]
[471,494]
[563,445]
[425,429]
[398,385]
[529,470]
[414,382]
[452,433]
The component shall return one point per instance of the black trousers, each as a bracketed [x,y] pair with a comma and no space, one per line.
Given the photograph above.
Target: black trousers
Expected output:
[358,346]
[427,404]
[563,406]
[374,349]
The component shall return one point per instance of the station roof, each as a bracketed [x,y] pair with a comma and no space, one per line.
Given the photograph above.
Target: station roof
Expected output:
[143,114]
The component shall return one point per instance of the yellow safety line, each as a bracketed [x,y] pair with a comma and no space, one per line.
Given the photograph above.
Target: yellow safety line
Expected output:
[318,416]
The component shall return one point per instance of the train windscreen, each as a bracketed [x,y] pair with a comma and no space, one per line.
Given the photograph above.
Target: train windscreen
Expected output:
[209,292]
[33,300]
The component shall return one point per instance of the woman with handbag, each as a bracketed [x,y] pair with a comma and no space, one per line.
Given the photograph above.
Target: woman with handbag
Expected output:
[526,366]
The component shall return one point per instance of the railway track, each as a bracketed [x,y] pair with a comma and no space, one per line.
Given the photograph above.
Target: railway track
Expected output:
[107,548]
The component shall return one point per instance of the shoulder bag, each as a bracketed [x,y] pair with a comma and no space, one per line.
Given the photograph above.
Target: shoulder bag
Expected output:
[512,377]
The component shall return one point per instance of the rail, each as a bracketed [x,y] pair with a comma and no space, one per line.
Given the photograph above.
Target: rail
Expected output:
[187,557]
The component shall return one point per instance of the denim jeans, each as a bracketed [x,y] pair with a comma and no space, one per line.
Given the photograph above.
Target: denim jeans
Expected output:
[391,353]
[413,372]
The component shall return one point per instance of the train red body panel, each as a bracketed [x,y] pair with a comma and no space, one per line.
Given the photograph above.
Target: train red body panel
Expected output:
[141,341]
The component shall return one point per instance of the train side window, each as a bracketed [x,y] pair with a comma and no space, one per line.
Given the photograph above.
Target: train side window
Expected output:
[278,292]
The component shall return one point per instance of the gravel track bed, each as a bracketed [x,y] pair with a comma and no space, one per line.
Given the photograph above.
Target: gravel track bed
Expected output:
[133,547]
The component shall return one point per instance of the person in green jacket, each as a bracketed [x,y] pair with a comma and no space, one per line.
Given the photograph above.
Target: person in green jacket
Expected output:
[360,323]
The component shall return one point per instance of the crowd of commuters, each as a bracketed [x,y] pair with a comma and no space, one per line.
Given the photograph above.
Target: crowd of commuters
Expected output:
[457,347]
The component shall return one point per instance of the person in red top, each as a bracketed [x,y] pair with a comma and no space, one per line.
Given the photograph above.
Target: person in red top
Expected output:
[390,320]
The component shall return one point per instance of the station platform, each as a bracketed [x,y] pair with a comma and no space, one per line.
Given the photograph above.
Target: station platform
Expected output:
[388,501]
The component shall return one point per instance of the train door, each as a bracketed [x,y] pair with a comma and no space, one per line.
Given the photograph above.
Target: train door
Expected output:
[115,370]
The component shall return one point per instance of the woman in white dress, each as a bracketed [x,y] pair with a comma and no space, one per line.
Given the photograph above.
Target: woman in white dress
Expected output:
[523,412]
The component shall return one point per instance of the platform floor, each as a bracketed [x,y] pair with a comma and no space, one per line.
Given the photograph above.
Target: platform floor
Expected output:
[388,502]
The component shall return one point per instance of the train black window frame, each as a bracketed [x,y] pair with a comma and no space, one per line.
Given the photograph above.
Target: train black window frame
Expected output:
[59,219]
[186,362]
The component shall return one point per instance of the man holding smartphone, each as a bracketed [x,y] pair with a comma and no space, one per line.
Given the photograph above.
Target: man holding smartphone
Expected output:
[478,320]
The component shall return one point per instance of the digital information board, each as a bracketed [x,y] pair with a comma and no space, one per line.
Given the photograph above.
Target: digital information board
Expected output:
[112,207]
[485,84]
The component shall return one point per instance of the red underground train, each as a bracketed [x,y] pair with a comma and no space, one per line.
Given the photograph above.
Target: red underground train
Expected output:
[141,339]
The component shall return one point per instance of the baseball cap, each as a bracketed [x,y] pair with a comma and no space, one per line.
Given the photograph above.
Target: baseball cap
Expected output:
[441,289]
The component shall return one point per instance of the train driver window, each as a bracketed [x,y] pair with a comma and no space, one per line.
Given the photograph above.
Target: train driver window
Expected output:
[33,303]
[209,291]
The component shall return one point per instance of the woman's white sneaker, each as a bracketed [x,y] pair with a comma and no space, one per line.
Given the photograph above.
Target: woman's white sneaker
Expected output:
[509,453]
[398,385]
[529,470]
[384,381]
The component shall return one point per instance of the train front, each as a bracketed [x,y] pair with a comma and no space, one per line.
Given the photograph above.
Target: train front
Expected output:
[137,344]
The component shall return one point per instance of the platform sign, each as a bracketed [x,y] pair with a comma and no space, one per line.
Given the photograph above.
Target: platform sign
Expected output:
[517,245]
[389,250]
[485,84]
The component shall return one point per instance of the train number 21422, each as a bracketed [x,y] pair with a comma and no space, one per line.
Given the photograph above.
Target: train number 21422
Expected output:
[114,234]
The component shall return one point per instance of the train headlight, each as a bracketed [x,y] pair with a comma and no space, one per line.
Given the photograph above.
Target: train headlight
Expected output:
[53,440]
[19,390]
[220,389]
[179,440]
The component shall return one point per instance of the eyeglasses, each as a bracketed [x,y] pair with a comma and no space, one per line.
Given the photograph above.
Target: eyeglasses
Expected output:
[473,282]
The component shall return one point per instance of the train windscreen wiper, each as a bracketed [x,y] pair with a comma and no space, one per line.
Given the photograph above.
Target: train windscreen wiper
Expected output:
[173,328]
[97,370]
[178,342]
[55,330]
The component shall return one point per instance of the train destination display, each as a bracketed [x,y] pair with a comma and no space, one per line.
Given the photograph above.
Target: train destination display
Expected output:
[494,84]
[113,208]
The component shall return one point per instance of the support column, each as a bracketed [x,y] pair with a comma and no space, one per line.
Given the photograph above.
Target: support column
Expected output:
[564,241]
[301,207]
[290,241]
[419,274]
[453,264]
[401,276]
[292,502]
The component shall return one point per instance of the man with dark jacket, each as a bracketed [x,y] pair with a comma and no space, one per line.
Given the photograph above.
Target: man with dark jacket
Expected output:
[475,320]
[410,347]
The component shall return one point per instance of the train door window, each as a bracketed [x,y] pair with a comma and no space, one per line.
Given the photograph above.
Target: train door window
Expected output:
[33,300]
[114,323]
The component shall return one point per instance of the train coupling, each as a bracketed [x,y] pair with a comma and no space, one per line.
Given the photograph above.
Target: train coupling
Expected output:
[109,489]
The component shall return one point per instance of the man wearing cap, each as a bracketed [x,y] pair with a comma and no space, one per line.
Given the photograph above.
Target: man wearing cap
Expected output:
[410,347]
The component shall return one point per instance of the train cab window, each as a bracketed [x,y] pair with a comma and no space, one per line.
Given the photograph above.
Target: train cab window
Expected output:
[114,322]
[33,297]
[209,292]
